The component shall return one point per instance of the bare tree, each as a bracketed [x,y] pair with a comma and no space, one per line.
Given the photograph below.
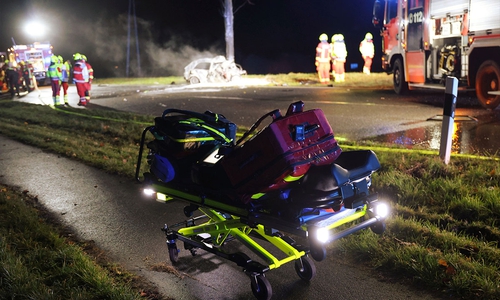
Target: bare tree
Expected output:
[229,25]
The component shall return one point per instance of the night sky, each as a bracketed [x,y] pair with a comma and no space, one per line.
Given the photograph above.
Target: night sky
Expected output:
[271,36]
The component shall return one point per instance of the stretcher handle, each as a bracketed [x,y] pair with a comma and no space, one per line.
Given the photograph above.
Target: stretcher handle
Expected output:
[216,134]
[294,108]
[276,114]
[208,116]
[141,149]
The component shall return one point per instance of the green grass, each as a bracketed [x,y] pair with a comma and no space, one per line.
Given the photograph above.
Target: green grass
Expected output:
[444,230]
[443,233]
[358,80]
[38,263]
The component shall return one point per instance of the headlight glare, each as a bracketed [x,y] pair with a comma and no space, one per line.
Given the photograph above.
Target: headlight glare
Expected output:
[149,192]
[322,235]
[382,210]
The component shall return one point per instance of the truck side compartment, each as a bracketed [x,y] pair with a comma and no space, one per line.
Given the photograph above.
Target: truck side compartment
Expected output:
[430,40]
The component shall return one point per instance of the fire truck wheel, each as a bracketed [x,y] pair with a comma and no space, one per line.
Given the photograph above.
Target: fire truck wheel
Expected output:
[398,76]
[488,80]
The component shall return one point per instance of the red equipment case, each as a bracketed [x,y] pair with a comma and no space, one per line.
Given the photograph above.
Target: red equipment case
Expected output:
[281,152]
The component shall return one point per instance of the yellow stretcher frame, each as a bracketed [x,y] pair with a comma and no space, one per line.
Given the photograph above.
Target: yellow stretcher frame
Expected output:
[224,222]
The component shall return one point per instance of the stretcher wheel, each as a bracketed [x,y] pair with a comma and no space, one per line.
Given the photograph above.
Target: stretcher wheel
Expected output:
[378,227]
[305,268]
[261,287]
[173,253]
[191,248]
[318,252]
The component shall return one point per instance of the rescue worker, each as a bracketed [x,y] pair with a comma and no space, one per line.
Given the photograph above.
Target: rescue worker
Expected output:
[26,73]
[33,78]
[66,73]
[91,77]
[3,78]
[367,50]
[55,75]
[81,78]
[339,55]
[12,75]
[323,58]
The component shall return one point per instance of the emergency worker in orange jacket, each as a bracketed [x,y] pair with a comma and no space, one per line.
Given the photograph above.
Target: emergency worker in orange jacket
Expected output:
[323,53]
[367,52]
[81,78]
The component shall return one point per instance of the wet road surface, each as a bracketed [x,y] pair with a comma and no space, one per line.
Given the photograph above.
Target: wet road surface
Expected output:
[413,120]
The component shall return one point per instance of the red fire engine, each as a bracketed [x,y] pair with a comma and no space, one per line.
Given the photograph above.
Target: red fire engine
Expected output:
[38,54]
[425,41]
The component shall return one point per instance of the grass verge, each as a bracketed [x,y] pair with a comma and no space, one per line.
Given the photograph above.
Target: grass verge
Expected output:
[39,262]
[352,79]
[443,232]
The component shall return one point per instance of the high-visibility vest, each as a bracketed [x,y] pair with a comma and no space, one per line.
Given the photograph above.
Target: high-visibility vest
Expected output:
[323,52]
[55,71]
[339,51]
[366,48]
[66,71]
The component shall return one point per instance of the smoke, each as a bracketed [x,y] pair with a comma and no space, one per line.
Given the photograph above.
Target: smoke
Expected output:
[171,57]
[109,41]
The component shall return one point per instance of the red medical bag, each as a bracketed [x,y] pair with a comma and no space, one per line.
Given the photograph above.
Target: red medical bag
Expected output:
[281,152]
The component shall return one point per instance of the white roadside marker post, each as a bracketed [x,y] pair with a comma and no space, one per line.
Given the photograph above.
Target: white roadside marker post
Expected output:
[450,101]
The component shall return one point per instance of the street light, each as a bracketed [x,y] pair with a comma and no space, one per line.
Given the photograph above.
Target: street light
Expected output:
[35,28]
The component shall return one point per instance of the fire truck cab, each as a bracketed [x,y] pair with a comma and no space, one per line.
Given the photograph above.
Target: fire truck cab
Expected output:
[425,41]
[37,54]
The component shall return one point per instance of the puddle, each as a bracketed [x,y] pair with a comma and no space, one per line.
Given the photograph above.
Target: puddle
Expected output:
[469,137]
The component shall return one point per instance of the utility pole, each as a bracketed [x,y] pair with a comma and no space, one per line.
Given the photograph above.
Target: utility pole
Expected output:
[229,25]
[131,10]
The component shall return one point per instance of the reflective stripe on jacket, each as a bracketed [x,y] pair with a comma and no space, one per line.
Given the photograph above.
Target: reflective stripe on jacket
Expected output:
[80,72]
[90,70]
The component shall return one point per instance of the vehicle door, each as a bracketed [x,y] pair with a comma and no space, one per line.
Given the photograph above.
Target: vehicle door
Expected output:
[415,55]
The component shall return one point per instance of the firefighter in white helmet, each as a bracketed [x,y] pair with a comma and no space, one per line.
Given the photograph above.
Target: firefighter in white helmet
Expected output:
[323,53]
[339,55]
[367,52]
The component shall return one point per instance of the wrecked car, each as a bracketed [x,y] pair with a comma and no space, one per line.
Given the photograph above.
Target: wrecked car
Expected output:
[210,70]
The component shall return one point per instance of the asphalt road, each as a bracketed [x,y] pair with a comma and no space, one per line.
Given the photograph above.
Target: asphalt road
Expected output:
[111,210]
[354,114]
